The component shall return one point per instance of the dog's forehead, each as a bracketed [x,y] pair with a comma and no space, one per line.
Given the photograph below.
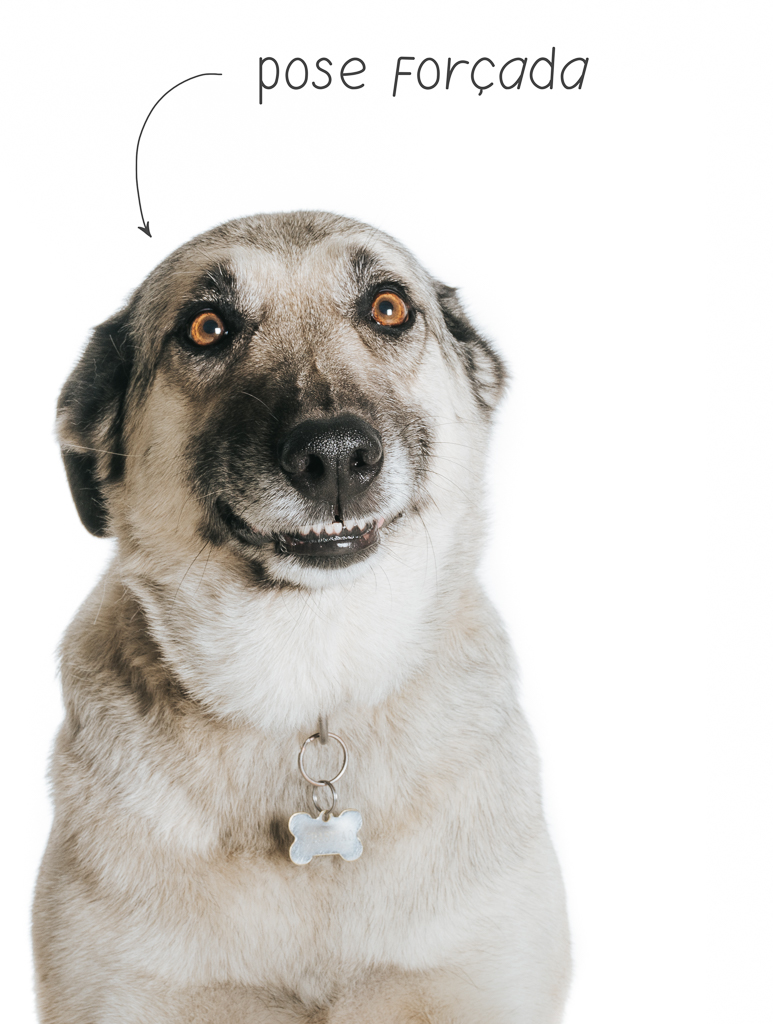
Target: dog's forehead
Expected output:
[335,268]
[270,261]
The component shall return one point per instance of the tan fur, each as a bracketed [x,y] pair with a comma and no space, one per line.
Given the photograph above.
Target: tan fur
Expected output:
[166,894]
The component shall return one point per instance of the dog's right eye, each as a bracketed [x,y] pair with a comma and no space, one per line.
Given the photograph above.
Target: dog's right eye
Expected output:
[206,328]
[389,309]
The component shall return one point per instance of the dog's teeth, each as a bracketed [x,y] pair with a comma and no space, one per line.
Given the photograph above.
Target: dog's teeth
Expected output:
[318,528]
[305,531]
[349,525]
[335,528]
[362,523]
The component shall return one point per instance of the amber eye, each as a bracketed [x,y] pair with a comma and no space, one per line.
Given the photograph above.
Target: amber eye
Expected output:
[206,329]
[389,309]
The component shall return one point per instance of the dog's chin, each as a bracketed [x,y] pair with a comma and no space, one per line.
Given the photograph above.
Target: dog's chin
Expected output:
[315,572]
[310,557]
[293,559]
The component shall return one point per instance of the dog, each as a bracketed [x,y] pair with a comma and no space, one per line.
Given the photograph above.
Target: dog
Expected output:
[285,431]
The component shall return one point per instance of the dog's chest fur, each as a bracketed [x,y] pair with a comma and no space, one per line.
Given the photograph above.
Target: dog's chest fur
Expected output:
[206,804]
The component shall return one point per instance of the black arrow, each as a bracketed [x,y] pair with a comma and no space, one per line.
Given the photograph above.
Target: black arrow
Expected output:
[146,223]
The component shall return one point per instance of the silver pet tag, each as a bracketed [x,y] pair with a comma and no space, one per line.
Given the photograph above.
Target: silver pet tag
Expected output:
[315,837]
[328,833]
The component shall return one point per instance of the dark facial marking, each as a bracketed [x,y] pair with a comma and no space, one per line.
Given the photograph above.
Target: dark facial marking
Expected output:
[91,406]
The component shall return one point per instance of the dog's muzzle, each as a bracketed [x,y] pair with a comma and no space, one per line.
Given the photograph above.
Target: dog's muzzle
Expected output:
[332,462]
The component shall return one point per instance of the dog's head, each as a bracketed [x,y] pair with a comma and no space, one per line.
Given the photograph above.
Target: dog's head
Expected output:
[290,391]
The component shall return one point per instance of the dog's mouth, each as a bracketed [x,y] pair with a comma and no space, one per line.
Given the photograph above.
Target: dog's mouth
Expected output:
[342,537]
[323,540]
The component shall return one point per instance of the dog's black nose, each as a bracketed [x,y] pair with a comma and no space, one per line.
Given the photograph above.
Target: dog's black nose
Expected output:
[332,460]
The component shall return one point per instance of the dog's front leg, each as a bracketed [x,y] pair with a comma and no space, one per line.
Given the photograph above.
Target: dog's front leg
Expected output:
[443,997]
[138,1001]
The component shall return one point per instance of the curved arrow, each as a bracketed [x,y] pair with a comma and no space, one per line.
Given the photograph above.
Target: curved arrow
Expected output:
[146,223]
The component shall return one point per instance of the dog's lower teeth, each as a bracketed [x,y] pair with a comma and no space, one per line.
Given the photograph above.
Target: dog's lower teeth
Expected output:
[320,532]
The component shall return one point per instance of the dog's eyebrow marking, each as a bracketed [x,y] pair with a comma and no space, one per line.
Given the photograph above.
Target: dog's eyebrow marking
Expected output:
[218,279]
[368,268]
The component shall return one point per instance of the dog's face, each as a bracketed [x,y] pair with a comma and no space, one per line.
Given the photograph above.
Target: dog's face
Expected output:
[290,392]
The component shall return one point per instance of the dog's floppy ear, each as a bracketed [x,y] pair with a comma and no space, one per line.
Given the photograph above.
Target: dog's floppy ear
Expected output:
[90,418]
[484,367]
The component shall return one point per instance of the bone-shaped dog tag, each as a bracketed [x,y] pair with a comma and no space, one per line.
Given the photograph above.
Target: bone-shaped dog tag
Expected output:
[316,837]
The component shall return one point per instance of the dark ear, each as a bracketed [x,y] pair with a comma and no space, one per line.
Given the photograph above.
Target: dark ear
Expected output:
[484,367]
[90,420]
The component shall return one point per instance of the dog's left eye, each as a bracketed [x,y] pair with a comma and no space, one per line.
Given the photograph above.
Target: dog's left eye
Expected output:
[389,310]
[206,328]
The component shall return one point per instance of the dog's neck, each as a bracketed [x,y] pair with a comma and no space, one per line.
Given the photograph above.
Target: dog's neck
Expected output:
[279,657]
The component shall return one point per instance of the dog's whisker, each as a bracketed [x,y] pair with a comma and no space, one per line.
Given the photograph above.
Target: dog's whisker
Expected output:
[100,451]
[204,570]
[260,400]
[449,458]
[448,480]
[174,599]
[432,549]
[460,444]
[102,601]
[385,574]
[182,509]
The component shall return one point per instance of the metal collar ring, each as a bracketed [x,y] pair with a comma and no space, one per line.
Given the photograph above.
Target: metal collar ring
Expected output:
[325,811]
[323,782]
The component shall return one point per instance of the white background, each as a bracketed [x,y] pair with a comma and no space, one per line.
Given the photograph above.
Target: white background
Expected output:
[615,243]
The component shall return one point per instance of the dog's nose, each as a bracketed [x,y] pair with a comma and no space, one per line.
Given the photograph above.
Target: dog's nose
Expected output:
[332,460]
